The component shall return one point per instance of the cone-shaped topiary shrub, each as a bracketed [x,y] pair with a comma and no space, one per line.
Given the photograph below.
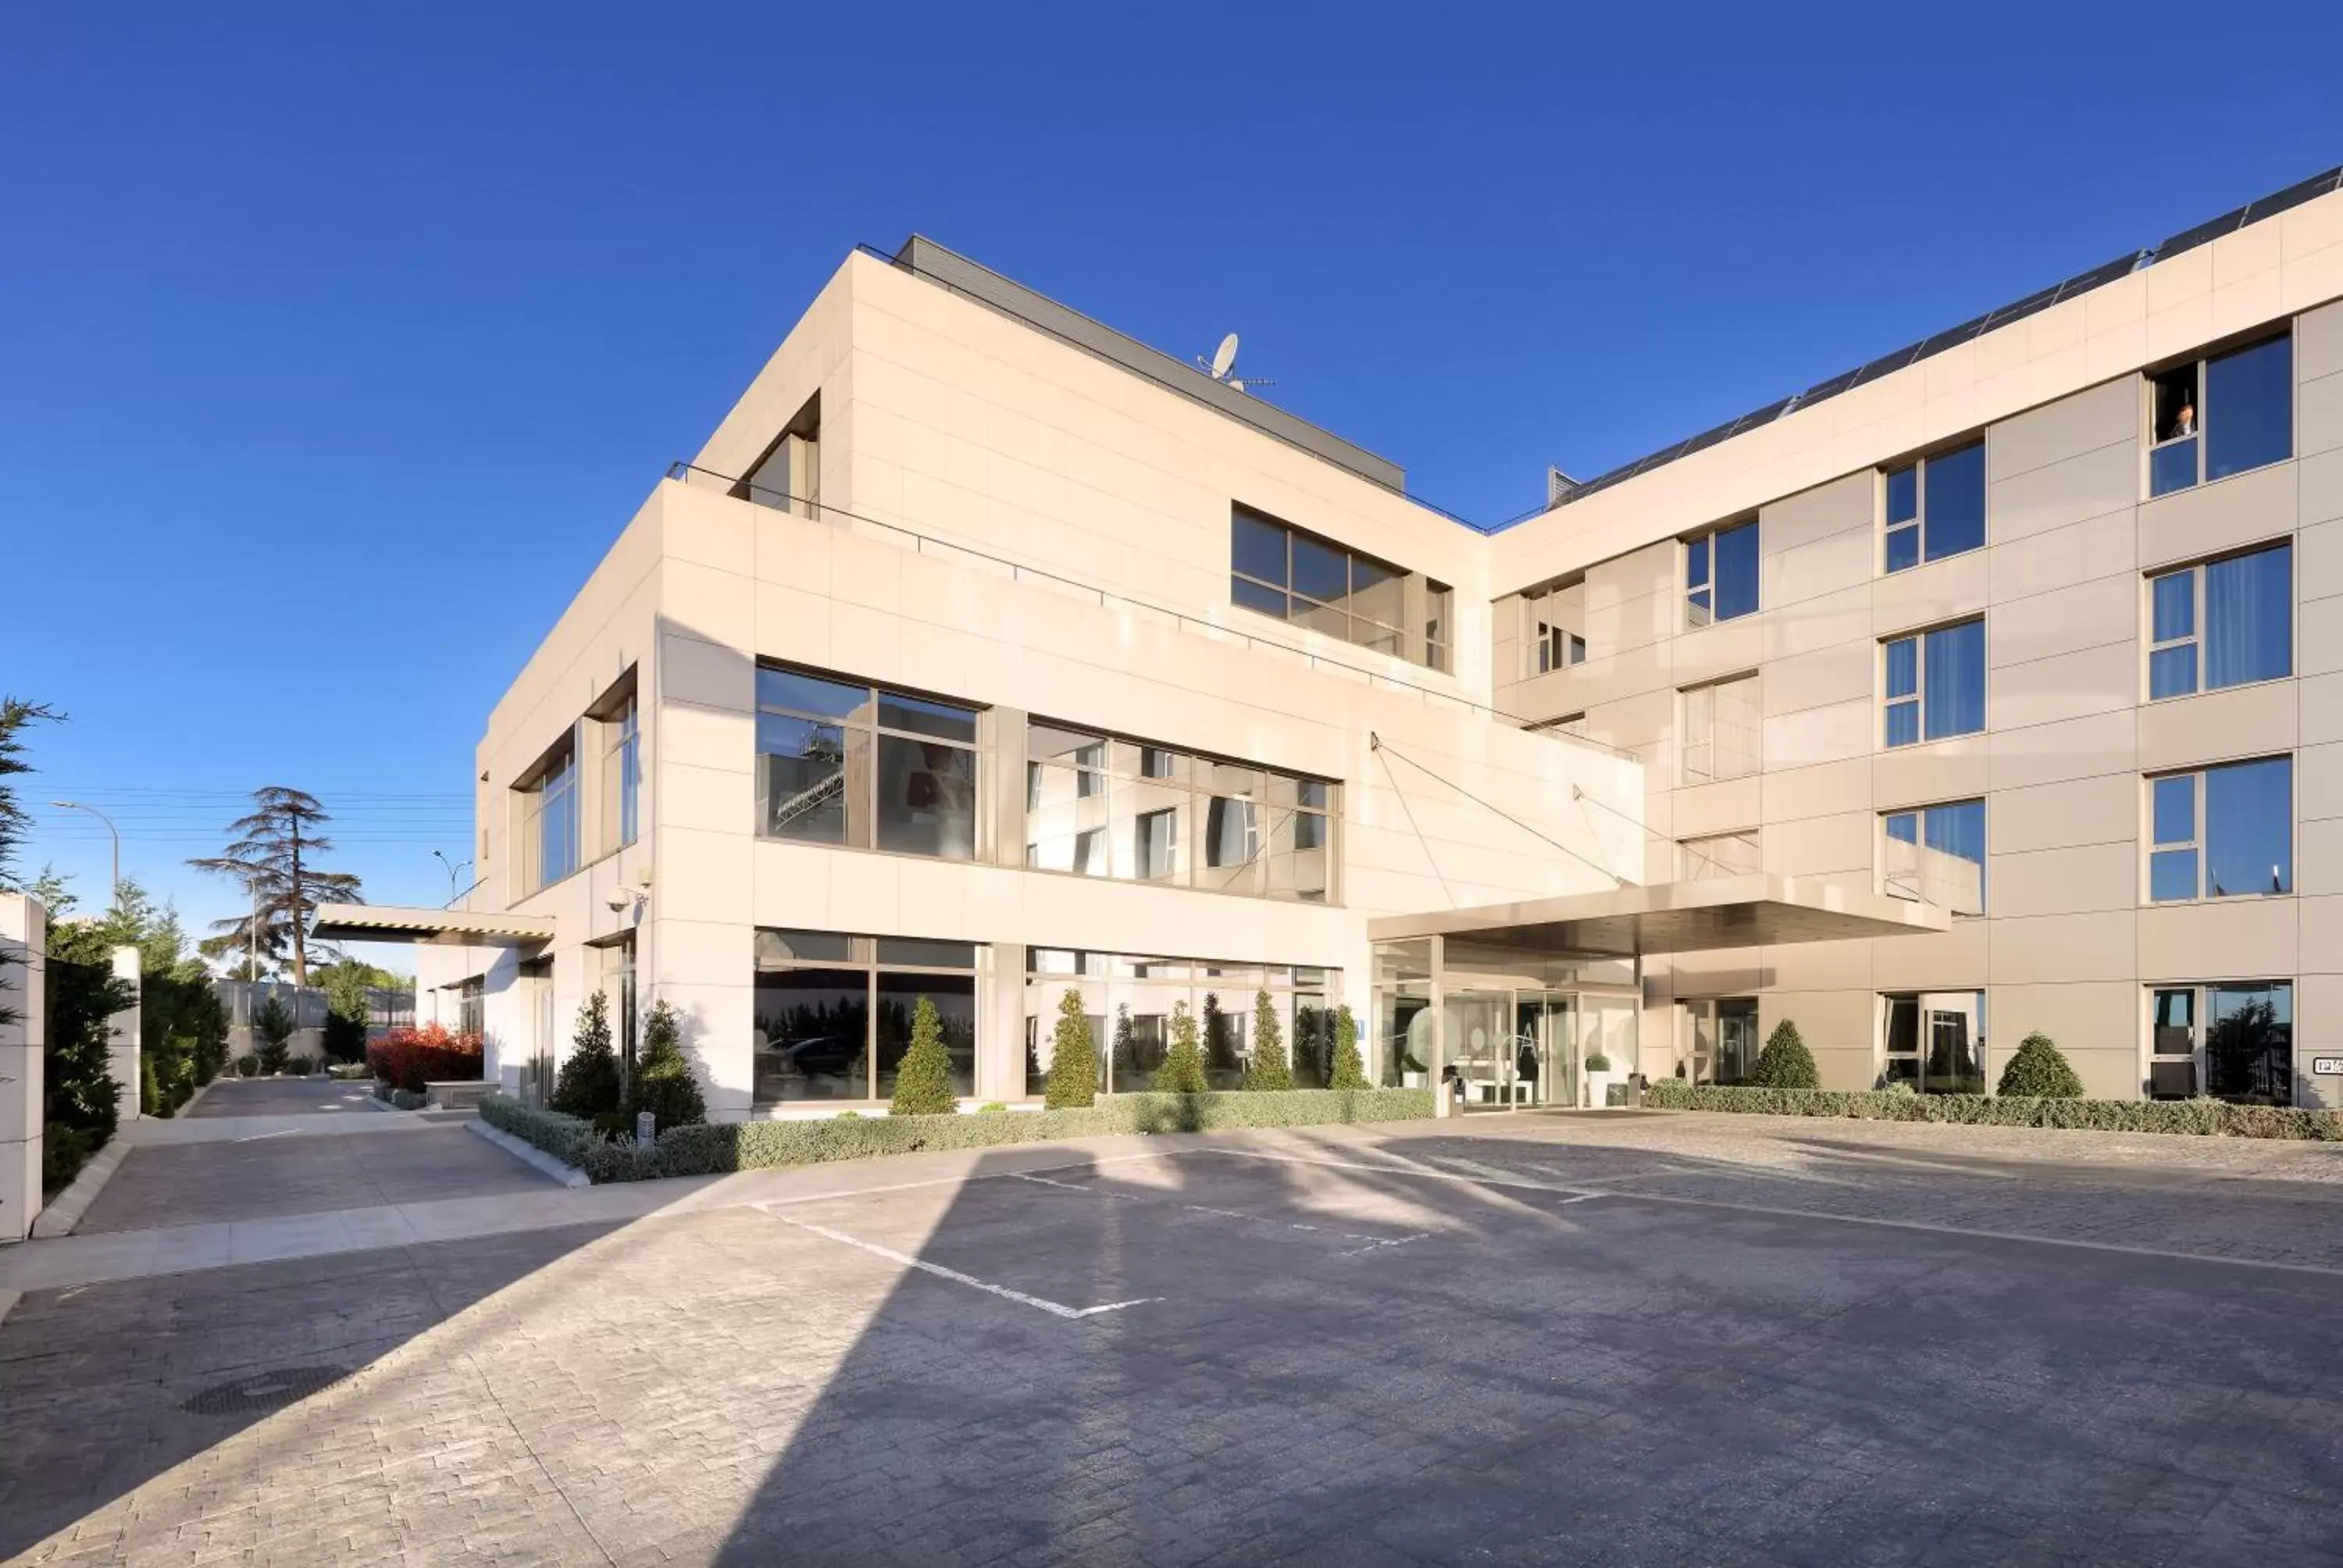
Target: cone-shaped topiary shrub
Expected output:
[924,1083]
[664,1085]
[1785,1062]
[2040,1071]
[1350,1072]
[1074,1057]
[1183,1072]
[1269,1068]
[1123,1062]
[588,1084]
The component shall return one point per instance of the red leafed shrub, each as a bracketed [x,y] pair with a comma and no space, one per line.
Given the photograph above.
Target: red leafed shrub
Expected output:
[410,1058]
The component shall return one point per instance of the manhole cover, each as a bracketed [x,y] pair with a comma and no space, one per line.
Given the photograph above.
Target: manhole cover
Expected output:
[262,1391]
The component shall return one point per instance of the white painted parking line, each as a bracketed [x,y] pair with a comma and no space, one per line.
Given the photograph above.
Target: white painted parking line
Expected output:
[1055,1308]
[1576,1193]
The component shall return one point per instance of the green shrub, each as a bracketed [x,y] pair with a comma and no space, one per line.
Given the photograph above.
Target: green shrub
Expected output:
[1183,1072]
[664,1084]
[990,1106]
[923,1081]
[1269,1073]
[1597,1063]
[247,1065]
[150,1093]
[2202,1118]
[274,1025]
[1785,1062]
[63,1152]
[716,1148]
[588,1084]
[563,1137]
[301,1066]
[1074,1057]
[2040,1071]
[1121,1058]
[614,1124]
[1350,1072]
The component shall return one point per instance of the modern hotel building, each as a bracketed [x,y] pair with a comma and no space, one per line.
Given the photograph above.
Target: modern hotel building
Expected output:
[982,652]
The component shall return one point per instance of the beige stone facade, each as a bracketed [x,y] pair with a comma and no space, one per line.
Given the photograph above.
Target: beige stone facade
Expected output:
[1011,514]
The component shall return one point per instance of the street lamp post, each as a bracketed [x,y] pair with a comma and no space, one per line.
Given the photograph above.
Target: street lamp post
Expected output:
[454,891]
[78,806]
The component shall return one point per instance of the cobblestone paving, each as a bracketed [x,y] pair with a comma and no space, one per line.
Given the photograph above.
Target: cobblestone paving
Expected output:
[254,1177]
[1323,1365]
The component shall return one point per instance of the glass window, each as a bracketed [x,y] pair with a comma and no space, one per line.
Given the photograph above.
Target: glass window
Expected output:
[2239,1032]
[1933,1040]
[1114,808]
[1549,619]
[1934,684]
[549,846]
[2249,407]
[2244,420]
[1129,1000]
[833,1012]
[1278,570]
[865,766]
[2224,832]
[1724,730]
[1936,854]
[1721,575]
[2231,619]
[1935,507]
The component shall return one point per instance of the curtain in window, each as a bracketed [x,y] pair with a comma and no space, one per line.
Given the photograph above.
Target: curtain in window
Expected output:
[1956,680]
[2249,629]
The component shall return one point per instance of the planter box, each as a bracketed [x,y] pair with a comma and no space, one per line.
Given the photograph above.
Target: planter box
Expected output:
[457,1094]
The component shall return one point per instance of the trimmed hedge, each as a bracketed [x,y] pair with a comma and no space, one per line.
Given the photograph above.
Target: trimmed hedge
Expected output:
[2201,1118]
[771,1145]
[408,1059]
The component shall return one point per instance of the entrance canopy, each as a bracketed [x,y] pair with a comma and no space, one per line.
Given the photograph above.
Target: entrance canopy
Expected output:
[1749,912]
[445,928]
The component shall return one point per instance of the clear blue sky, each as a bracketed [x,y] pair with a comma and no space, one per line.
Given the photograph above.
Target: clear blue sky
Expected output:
[328,332]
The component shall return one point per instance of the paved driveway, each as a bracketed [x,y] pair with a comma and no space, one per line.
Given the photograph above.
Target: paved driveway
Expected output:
[284,1097]
[1658,1341]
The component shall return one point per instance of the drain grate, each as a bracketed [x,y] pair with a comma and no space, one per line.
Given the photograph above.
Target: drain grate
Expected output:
[262,1391]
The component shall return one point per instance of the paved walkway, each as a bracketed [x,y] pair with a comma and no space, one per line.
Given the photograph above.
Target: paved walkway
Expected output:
[233,1096]
[1626,1342]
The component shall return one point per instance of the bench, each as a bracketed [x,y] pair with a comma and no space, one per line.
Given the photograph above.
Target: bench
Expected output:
[458,1094]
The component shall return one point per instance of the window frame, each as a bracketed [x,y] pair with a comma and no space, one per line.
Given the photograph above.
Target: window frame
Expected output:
[2199,367]
[1705,692]
[1916,525]
[1919,815]
[554,783]
[1917,698]
[1285,801]
[866,723]
[2200,1025]
[1924,1023]
[1699,599]
[2199,842]
[2198,637]
[1549,643]
[1411,641]
[863,954]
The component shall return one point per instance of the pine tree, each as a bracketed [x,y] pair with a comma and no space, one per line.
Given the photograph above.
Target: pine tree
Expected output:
[1183,1072]
[1785,1063]
[1123,1062]
[923,1082]
[1074,1057]
[274,1024]
[1219,1040]
[1268,1071]
[1350,1072]
[664,1084]
[588,1084]
[268,858]
[2040,1071]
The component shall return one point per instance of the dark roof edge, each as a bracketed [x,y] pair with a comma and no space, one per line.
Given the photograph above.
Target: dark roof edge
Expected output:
[2081,283]
[923,257]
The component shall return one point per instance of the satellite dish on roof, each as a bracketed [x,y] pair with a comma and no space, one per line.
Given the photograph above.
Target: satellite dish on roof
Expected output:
[1221,367]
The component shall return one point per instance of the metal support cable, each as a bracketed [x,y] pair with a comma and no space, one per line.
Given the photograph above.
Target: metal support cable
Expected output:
[1446,891]
[1376,744]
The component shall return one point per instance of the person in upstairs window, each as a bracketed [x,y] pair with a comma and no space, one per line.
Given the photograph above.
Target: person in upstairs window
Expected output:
[2183,423]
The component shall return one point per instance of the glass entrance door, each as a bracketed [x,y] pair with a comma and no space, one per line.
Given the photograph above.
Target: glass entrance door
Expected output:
[1481,1047]
[1606,1035]
[1545,1040]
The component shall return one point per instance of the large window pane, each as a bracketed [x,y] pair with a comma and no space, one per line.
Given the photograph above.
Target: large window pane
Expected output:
[2248,618]
[2249,407]
[926,799]
[1230,842]
[1320,573]
[811,695]
[1955,522]
[2250,829]
[954,997]
[1249,595]
[1956,680]
[1955,871]
[812,1035]
[2249,1042]
[1257,549]
[812,779]
[1736,571]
